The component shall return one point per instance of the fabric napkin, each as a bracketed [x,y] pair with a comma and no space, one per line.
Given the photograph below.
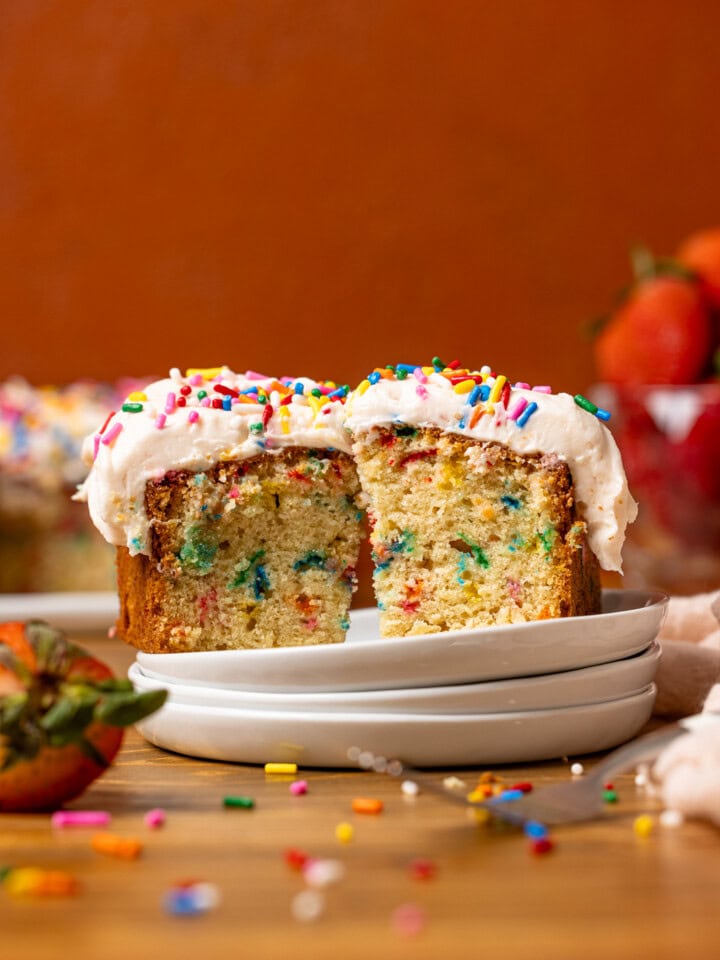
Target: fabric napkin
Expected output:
[687,773]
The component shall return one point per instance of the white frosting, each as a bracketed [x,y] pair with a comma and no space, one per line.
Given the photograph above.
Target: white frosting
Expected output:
[143,450]
[559,426]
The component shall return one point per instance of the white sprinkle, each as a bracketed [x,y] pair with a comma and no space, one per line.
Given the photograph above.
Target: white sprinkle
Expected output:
[353,754]
[379,764]
[454,783]
[577,769]
[321,873]
[307,906]
[395,768]
[366,759]
[410,788]
[671,818]
[207,895]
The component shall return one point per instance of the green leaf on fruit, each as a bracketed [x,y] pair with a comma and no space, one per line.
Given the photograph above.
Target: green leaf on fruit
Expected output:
[124,709]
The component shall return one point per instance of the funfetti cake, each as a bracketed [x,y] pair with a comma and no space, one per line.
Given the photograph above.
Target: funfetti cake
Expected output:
[232,500]
[489,502]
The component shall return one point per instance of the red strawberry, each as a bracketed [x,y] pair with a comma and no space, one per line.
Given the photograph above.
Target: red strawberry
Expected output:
[701,253]
[62,715]
[660,334]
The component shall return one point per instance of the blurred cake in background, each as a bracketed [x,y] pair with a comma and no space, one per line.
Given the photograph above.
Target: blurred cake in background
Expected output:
[658,360]
[47,543]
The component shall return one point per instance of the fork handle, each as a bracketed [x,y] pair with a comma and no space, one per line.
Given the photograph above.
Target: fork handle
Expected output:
[648,747]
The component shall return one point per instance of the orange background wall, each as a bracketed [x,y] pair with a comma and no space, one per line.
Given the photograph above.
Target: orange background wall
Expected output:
[318,186]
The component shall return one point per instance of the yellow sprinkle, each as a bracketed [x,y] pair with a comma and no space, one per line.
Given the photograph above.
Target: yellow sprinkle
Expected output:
[497,389]
[284,426]
[476,796]
[207,373]
[479,814]
[137,396]
[465,386]
[362,387]
[23,880]
[280,768]
[317,403]
[644,825]
[344,832]
[285,411]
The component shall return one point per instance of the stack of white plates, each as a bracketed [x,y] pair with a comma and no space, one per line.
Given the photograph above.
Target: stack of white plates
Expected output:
[515,693]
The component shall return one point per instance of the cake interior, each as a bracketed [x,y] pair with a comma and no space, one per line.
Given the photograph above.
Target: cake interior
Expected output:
[252,553]
[466,533]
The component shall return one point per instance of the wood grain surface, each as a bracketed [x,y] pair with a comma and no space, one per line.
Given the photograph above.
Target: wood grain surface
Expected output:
[602,892]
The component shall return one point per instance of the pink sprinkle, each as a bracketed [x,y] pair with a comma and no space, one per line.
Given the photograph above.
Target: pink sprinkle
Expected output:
[421,392]
[196,380]
[80,818]
[160,421]
[254,375]
[408,920]
[542,389]
[205,402]
[193,416]
[170,403]
[234,493]
[521,385]
[298,787]
[112,433]
[517,408]
[96,445]
[419,375]
[155,818]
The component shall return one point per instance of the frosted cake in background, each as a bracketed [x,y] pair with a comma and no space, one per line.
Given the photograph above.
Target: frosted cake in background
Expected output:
[46,541]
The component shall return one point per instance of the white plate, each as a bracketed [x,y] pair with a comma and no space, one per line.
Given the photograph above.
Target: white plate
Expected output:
[629,623]
[96,610]
[607,681]
[423,740]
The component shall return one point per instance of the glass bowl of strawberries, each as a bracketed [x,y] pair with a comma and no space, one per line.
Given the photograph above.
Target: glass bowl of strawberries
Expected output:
[658,360]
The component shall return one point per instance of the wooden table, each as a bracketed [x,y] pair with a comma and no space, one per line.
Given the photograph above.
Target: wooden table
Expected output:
[602,892]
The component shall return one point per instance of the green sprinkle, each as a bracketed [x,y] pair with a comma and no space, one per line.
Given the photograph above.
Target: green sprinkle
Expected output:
[586,404]
[609,796]
[244,803]
[196,552]
[401,374]
[478,554]
[256,428]
[261,398]
[437,363]
[132,407]
[202,394]
[316,392]
[4,871]
[313,558]
[243,575]
[547,538]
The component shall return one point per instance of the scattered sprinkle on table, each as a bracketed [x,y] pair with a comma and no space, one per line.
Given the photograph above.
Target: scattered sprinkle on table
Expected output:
[34,882]
[422,869]
[154,818]
[541,845]
[610,796]
[410,788]
[190,899]
[307,906]
[344,832]
[408,920]
[643,825]
[367,805]
[242,803]
[577,769]
[125,848]
[280,768]
[321,872]
[671,818]
[80,818]
[298,788]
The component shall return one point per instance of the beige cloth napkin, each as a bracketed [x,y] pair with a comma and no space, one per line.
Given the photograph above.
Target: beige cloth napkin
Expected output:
[687,773]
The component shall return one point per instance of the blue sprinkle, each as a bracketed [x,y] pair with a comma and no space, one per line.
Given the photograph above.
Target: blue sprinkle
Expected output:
[407,367]
[249,390]
[526,414]
[535,830]
[484,392]
[300,389]
[511,502]
[506,795]
[341,391]
[373,377]
[475,394]
[602,414]
[227,402]
[462,424]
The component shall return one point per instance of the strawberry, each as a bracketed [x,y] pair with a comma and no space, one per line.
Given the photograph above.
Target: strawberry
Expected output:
[701,254]
[62,717]
[659,334]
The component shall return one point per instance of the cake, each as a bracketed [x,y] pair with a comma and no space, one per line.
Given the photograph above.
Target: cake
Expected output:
[232,502]
[47,542]
[489,502]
